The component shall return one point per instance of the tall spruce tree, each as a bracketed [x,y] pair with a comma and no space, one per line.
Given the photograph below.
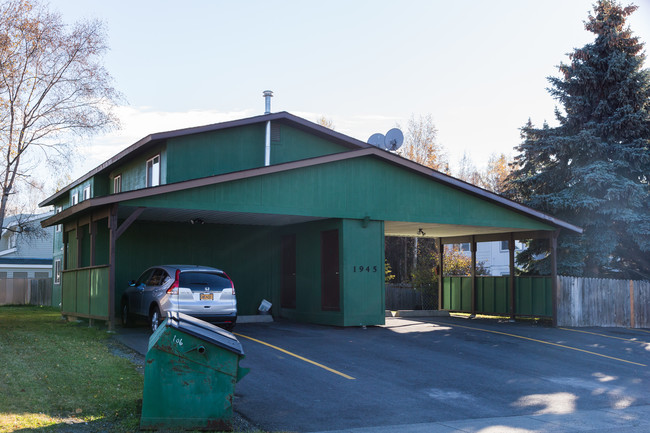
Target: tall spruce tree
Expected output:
[593,169]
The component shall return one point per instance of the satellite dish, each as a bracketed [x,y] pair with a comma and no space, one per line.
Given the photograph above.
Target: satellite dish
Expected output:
[394,139]
[377,140]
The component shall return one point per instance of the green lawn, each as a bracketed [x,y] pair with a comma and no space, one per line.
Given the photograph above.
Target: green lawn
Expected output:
[58,374]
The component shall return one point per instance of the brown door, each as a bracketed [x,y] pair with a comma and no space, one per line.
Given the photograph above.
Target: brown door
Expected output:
[330,297]
[288,299]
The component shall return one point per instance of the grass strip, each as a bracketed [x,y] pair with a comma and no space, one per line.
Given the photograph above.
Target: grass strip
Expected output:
[56,374]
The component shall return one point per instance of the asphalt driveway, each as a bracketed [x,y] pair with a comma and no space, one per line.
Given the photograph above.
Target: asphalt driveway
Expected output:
[441,374]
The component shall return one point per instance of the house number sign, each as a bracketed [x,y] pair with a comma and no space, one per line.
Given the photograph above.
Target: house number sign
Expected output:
[366,269]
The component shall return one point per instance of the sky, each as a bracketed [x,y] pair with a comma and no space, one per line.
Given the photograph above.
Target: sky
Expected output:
[479,68]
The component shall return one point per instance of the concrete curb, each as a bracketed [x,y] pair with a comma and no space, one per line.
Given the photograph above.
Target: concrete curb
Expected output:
[417,313]
[259,318]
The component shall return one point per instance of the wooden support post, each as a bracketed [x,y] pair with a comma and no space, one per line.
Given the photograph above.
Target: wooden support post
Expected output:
[553,245]
[112,226]
[511,255]
[92,227]
[115,233]
[440,259]
[79,237]
[632,319]
[473,274]
[65,239]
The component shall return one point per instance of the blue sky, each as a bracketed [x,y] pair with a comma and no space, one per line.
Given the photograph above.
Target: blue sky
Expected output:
[478,67]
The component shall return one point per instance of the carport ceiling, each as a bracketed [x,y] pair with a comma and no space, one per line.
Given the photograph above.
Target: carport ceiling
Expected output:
[213,217]
[391,228]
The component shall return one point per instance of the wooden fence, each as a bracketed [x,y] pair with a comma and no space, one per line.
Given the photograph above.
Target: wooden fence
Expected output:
[401,297]
[603,302]
[26,291]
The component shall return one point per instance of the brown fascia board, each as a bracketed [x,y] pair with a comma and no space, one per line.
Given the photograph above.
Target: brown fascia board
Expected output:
[261,171]
[148,141]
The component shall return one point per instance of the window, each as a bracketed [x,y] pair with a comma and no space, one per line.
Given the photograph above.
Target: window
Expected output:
[12,240]
[86,194]
[153,171]
[518,246]
[59,227]
[57,271]
[75,198]
[117,184]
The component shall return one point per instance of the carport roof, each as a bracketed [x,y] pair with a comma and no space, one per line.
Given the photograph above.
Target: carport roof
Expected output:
[362,150]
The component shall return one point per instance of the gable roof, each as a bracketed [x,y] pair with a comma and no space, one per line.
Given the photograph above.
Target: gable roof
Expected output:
[147,142]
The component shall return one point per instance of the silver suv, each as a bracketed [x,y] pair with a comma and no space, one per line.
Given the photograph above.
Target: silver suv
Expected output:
[199,291]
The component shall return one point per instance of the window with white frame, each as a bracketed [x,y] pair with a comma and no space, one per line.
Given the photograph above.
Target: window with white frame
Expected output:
[117,184]
[86,193]
[59,227]
[57,271]
[153,171]
[75,198]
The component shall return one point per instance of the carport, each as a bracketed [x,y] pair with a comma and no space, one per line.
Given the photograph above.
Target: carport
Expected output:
[306,234]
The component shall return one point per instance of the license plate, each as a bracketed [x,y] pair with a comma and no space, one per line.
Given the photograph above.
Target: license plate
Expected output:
[207,296]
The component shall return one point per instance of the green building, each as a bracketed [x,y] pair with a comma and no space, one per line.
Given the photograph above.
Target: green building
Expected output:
[295,213]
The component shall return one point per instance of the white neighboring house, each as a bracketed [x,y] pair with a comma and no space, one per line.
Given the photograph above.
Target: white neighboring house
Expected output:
[23,255]
[494,255]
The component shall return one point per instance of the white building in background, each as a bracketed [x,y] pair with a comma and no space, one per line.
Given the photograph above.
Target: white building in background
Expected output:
[494,255]
[24,254]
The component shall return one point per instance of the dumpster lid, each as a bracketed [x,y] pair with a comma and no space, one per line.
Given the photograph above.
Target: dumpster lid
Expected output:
[205,331]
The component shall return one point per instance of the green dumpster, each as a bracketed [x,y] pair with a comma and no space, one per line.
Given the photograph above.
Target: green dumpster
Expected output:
[189,376]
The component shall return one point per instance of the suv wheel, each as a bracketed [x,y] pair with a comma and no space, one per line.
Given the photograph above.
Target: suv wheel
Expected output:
[154,318]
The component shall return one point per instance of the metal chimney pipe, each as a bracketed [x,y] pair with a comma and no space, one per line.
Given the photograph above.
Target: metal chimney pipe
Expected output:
[268,94]
[267,110]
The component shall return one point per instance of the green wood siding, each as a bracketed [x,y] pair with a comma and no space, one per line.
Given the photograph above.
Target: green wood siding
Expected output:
[248,254]
[348,189]
[236,149]
[85,292]
[295,145]
[533,295]
[134,172]
[308,274]
[362,273]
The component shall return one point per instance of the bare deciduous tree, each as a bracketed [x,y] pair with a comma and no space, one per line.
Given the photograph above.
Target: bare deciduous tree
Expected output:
[421,144]
[496,173]
[52,85]
[326,122]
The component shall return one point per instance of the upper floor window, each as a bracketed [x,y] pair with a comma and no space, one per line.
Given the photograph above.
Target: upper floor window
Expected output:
[59,227]
[86,194]
[153,171]
[117,184]
[75,198]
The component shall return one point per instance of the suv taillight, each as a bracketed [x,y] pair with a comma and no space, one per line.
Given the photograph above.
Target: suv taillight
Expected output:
[173,289]
[232,285]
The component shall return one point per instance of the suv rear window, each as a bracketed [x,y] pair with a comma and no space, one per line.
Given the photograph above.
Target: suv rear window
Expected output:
[200,280]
